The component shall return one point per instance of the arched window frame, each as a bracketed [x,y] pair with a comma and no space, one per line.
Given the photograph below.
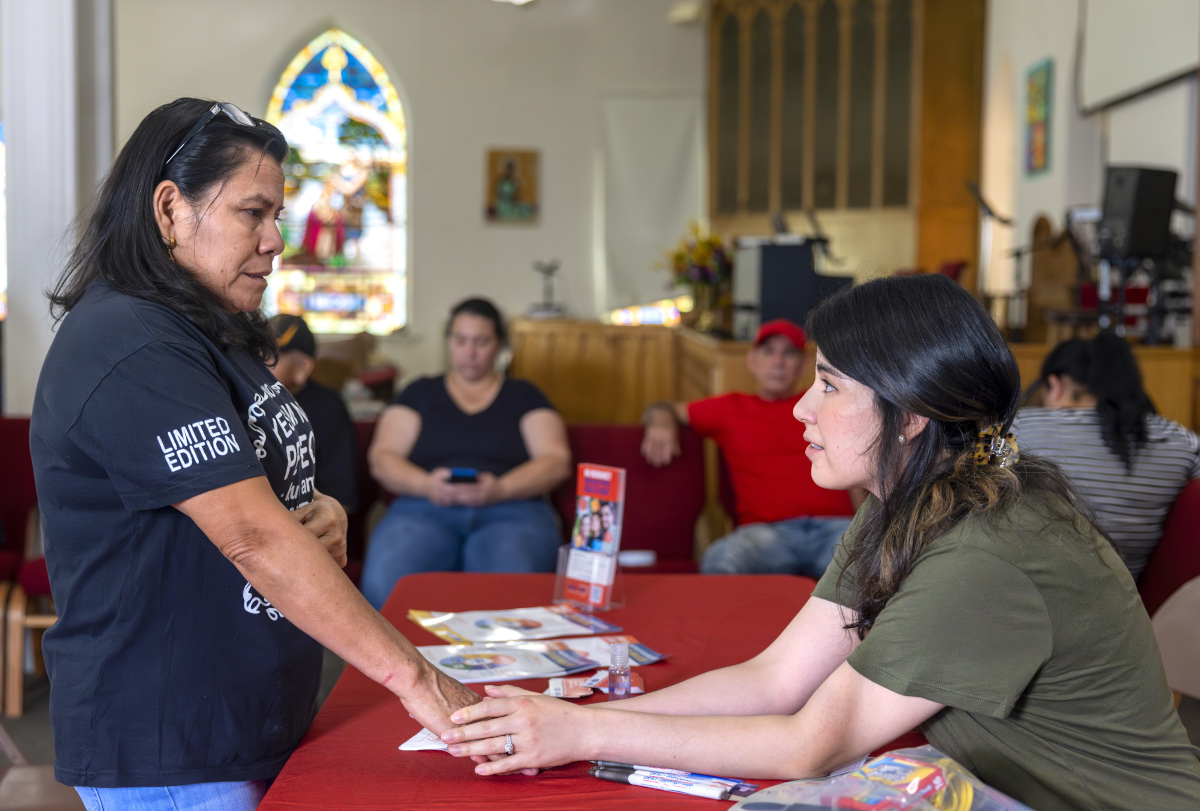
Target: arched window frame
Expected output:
[292,110]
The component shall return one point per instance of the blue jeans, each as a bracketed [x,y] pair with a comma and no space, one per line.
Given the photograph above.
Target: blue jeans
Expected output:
[797,546]
[241,796]
[416,536]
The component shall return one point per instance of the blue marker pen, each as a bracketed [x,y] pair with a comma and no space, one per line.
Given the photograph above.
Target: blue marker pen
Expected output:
[664,782]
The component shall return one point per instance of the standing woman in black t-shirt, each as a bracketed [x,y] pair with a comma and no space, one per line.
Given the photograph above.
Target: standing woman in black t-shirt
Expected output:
[194,565]
[503,431]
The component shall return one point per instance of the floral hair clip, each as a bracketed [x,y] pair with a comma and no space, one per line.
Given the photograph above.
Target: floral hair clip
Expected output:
[997,445]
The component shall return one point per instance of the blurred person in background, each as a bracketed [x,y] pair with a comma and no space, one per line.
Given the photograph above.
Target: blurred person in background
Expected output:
[1097,422]
[503,439]
[333,429]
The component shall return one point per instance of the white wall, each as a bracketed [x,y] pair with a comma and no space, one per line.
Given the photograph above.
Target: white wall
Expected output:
[58,133]
[1021,33]
[474,74]
[1159,129]
[1156,129]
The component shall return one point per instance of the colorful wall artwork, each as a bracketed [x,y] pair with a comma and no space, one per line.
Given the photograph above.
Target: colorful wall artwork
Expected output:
[1039,87]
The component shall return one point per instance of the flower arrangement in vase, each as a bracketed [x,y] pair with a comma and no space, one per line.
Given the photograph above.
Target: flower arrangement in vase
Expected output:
[703,262]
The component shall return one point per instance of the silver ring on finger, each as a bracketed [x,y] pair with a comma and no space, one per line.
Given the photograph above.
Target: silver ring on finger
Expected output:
[508,745]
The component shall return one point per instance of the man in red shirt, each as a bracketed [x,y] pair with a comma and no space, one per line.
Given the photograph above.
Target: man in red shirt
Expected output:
[786,523]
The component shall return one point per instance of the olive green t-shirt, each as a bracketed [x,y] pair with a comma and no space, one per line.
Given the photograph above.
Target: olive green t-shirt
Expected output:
[1029,629]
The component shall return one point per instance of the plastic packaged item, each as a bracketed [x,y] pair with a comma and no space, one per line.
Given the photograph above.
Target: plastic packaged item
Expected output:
[921,779]
[619,675]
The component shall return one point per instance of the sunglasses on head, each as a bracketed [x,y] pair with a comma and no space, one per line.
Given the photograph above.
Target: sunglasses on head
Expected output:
[234,112]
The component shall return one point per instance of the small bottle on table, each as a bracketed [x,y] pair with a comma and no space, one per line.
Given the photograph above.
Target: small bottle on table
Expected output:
[619,675]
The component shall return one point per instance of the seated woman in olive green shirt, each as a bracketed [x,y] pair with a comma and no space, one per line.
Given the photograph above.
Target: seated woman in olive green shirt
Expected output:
[969,597]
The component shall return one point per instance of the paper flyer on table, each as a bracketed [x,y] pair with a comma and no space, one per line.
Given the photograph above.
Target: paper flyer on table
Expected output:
[423,741]
[534,659]
[583,686]
[507,661]
[597,648]
[511,624]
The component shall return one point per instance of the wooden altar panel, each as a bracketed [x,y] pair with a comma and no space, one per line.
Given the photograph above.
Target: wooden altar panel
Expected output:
[708,366]
[595,372]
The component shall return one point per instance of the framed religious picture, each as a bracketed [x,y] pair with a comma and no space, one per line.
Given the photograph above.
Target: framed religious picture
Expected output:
[1039,87]
[512,185]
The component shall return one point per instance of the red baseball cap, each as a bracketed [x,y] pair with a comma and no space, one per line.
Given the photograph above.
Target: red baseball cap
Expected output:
[781,326]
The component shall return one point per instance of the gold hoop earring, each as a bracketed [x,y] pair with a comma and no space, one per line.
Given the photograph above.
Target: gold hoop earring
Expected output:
[171,249]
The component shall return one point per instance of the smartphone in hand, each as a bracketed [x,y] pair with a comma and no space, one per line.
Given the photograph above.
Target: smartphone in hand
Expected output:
[463,475]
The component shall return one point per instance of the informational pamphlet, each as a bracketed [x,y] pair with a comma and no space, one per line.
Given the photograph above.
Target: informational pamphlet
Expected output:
[507,661]
[583,686]
[512,661]
[598,647]
[511,625]
[587,569]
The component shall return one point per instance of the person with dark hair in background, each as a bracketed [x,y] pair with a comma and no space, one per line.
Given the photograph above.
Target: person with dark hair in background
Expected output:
[970,596]
[472,455]
[1127,462]
[333,430]
[196,570]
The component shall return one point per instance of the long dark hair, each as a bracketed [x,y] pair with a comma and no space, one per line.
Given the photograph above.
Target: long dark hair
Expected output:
[925,347]
[121,243]
[1105,366]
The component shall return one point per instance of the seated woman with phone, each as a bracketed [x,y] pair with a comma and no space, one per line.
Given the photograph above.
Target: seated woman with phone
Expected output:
[471,455]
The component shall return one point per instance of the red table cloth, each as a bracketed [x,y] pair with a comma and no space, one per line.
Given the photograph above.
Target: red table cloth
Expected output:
[349,759]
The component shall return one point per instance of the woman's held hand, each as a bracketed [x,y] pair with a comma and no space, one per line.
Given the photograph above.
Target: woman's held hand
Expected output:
[434,698]
[545,731]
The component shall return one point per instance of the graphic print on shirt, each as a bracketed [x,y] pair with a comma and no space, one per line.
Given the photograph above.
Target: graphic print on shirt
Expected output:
[254,602]
[274,413]
[197,442]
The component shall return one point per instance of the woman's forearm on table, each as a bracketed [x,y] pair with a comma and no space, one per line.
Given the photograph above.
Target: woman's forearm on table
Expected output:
[761,746]
[299,579]
[847,717]
[780,680]
[741,689]
[290,568]
[534,478]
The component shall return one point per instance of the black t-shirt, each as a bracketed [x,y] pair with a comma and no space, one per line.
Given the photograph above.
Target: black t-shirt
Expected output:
[490,440]
[166,666]
[333,431]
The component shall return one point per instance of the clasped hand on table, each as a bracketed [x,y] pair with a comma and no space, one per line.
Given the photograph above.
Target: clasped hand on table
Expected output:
[545,731]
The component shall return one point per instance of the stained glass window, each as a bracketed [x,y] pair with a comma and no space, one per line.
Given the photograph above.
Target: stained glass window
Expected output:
[346,222]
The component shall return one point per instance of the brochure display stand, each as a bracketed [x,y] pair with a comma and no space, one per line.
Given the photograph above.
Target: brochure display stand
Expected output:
[588,575]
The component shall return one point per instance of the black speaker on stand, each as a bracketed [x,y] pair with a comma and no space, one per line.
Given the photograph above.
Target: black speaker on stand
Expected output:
[1135,227]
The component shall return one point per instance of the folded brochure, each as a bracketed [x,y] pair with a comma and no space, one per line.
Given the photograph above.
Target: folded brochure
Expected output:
[511,625]
[533,659]
[582,686]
